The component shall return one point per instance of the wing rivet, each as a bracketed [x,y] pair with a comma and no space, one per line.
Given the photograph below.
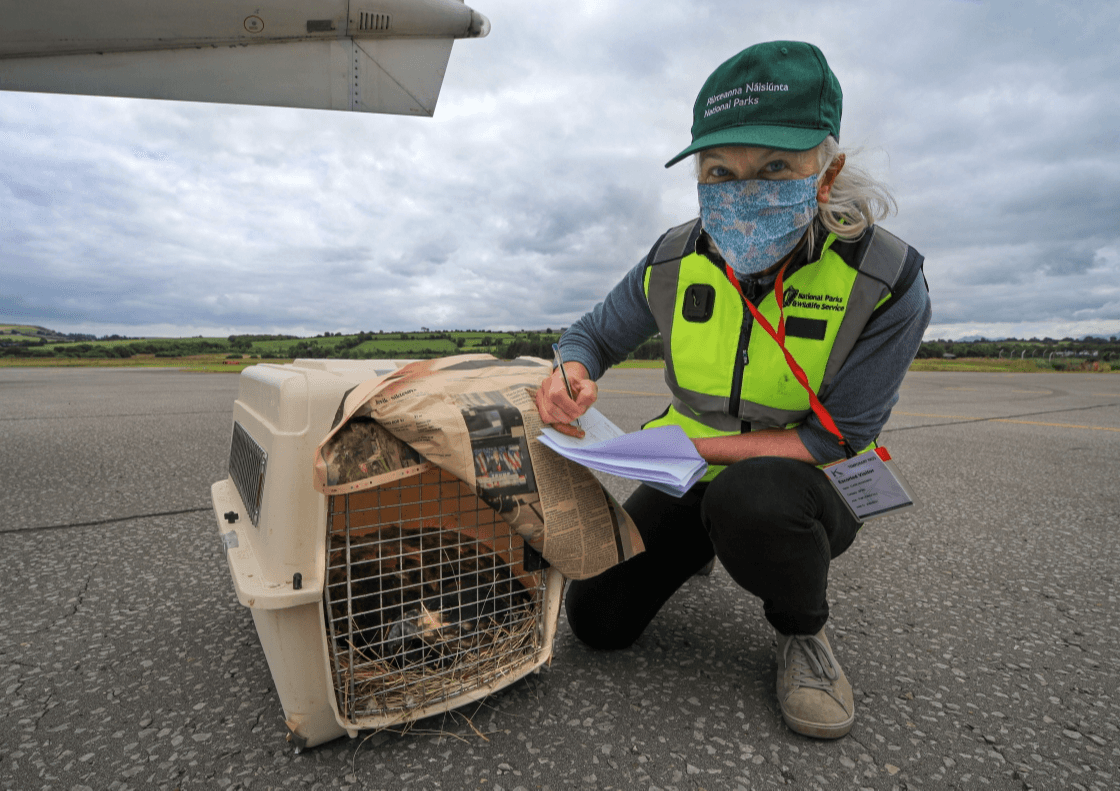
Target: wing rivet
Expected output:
[254,24]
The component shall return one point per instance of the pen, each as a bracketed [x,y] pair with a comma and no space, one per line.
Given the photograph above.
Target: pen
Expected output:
[560,364]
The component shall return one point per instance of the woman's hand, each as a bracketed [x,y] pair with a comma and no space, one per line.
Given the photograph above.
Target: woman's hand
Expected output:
[556,408]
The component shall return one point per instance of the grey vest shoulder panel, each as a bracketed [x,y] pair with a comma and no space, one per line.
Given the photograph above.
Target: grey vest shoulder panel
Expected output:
[676,243]
[883,256]
[665,259]
[882,260]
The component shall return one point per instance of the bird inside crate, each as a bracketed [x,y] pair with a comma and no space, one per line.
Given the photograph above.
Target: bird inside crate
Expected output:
[428,600]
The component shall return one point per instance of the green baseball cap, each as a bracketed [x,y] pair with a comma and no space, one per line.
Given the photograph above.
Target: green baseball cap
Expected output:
[780,94]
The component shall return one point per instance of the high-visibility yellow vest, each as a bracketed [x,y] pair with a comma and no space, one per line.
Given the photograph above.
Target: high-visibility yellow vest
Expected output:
[728,377]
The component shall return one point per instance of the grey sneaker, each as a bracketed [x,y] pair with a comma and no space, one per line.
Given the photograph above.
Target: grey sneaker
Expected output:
[815,697]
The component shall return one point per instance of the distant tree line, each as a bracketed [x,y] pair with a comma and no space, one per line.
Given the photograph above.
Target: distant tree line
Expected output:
[1049,349]
[653,349]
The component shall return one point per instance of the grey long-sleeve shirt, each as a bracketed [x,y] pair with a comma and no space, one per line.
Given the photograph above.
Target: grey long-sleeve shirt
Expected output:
[861,396]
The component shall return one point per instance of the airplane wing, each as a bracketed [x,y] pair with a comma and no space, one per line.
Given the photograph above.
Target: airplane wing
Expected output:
[378,56]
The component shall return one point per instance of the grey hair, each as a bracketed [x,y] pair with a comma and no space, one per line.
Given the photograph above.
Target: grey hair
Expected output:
[857,200]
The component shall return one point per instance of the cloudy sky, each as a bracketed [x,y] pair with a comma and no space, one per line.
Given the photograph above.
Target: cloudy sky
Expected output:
[540,180]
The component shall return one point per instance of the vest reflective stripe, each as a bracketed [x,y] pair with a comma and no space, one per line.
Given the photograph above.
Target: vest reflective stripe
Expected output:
[879,269]
[667,252]
[726,424]
[830,297]
[661,301]
[679,414]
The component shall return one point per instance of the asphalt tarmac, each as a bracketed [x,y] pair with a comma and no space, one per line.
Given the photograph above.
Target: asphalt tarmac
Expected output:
[980,632]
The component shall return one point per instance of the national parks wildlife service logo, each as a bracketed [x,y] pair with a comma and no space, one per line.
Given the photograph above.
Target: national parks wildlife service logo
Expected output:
[794,297]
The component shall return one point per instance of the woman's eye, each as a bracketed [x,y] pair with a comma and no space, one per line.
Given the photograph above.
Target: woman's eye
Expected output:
[718,172]
[777,166]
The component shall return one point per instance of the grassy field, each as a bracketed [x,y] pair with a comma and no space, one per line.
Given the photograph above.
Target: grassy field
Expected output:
[355,346]
[16,331]
[229,355]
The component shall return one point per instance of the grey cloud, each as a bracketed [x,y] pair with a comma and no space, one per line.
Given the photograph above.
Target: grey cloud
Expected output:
[435,251]
[26,192]
[1040,302]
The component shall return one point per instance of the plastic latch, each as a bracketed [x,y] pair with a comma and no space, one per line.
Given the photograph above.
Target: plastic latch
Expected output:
[297,581]
[230,516]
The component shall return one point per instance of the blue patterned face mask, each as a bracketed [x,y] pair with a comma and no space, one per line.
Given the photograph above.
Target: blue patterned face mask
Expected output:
[754,222]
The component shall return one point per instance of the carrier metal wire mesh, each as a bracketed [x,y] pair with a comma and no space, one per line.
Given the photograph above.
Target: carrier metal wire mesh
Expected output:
[426,597]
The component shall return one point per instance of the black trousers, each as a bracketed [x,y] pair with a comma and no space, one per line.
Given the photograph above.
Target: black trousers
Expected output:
[775,524]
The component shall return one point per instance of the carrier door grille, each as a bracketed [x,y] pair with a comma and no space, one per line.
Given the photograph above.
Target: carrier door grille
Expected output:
[426,597]
[247,462]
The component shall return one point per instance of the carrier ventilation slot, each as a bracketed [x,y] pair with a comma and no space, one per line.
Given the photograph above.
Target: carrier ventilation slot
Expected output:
[247,461]
[369,21]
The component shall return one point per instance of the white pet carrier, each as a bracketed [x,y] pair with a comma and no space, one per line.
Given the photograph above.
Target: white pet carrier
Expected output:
[374,608]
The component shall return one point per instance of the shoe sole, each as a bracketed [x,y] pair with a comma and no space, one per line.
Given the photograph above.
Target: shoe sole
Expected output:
[819,730]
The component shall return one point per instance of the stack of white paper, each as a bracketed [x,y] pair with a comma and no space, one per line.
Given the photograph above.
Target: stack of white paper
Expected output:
[661,457]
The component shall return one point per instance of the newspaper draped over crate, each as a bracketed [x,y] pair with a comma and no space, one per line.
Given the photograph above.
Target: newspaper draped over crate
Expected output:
[474,416]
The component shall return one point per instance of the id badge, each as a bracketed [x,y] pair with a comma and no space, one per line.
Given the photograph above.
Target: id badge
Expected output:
[870,485]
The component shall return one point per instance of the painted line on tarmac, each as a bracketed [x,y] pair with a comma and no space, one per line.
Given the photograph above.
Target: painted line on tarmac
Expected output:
[962,419]
[965,418]
[102,521]
[1057,425]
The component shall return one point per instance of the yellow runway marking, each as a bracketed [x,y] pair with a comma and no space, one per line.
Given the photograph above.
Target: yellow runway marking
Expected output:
[947,417]
[1007,420]
[1056,425]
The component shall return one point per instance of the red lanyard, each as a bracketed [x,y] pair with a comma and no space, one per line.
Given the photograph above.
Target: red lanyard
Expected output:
[780,338]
